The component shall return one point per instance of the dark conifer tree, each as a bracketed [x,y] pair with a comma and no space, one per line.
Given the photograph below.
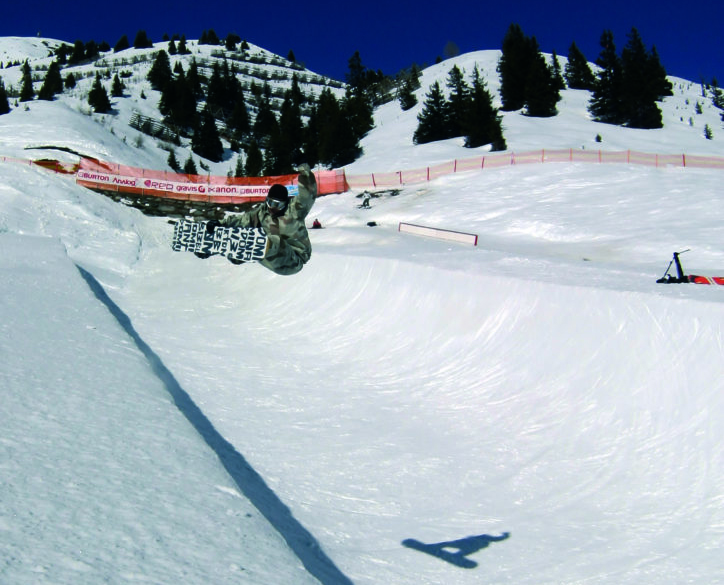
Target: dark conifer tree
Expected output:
[482,122]
[541,93]
[122,44]
[433,119]
[78,54]
[190,166]
[606,104]
[92,50]
[330,139]
[69,81]
[142,41]
[98,98]
[577,71]
[254,160]
[117,87]
[639,88]
[357,106]
[178,103]
[4,105]
[27,92]
[160,74]
[182,49]
[206,141]
[291,129]
[513,66]
[194,79]
[458,102]
[239,122]
[656,72]
[53,83]
[558,81]
[172,50]
[172,162]
[405,95]
[266,122]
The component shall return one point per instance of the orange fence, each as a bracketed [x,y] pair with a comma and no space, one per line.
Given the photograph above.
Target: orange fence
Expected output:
[106,176]
[492,161]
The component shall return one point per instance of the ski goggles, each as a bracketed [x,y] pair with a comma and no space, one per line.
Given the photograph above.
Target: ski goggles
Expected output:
[276,204]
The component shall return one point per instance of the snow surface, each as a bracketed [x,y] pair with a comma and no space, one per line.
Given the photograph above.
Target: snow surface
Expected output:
[536,406]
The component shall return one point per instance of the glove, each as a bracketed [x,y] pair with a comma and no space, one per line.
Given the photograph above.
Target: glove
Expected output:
[306,176]
[211,225]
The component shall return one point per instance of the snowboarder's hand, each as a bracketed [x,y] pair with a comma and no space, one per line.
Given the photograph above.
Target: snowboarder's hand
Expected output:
[211,225]
[306,177]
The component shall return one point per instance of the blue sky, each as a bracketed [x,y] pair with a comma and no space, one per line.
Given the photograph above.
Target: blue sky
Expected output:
[394,34]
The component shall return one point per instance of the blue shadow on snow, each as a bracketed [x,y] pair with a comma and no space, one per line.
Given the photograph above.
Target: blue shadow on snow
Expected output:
[456,552]
[251,484]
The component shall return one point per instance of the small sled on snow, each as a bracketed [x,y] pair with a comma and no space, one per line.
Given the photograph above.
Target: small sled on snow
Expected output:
[682,277]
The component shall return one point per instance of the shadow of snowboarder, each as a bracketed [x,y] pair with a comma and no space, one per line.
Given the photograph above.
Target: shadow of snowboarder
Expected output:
[456,552]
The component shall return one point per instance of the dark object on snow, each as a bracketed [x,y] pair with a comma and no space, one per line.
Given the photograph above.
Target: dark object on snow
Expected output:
[372,223]
[686,278]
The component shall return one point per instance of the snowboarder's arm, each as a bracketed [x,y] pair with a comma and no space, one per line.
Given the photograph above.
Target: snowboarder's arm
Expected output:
[246,219]
[307,191]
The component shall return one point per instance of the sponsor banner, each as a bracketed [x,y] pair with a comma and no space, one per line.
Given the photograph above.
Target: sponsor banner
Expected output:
[160,186]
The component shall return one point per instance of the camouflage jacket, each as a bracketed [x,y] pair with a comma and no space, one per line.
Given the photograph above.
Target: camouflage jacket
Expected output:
[288,247]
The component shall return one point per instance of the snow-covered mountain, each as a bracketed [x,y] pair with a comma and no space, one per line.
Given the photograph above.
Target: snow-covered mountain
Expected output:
[535,409]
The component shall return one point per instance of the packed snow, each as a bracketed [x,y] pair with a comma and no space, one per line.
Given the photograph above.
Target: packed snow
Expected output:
[534,409]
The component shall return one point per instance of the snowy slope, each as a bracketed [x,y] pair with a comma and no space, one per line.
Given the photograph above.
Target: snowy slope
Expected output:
[538,402]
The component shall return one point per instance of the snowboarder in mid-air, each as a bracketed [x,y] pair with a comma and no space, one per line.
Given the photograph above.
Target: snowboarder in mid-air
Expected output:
[282,219]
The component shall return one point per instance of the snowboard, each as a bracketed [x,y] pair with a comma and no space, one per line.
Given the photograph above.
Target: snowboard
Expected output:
[236,243]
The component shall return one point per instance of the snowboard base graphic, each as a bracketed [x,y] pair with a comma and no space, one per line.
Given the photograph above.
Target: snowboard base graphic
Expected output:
[236,243]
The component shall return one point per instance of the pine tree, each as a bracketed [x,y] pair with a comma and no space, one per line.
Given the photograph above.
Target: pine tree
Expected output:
[239,122]
[329,139]
[406,96]
[206,141]
[513,67]
[122,44]
[117,87]
[254,160]
[239,167]
[482,122]
[26,89]
[98,98]
[577,71]
[182,49]
[558,81]
[458,102]
[142,41]
[4,105]
[433,119]
[172,162]
[190,166]
[160,74]
[541,93]
[53,83]
[606,103]
[639,87]
[266,122]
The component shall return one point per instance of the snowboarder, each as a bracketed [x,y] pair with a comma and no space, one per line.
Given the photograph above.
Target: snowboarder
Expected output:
[282,218]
